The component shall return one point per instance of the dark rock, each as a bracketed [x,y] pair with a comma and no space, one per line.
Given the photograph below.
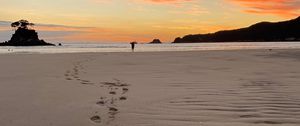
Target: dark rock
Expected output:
[155,41]
[260,32]
[24,36]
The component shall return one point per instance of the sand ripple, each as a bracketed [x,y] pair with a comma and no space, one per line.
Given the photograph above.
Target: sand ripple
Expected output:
[252,102]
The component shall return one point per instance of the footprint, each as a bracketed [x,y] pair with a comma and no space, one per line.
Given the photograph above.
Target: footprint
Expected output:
[100,103]
[123,85]
[125,89]
[123,98]
[86,82]
[113,88]
[96,119]
[112,109]
[112,112]
[112,92]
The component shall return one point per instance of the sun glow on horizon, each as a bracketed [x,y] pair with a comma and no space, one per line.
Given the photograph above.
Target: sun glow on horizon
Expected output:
[140,20]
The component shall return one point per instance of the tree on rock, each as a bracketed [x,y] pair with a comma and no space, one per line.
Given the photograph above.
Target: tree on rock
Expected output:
[24,35]
[21,24]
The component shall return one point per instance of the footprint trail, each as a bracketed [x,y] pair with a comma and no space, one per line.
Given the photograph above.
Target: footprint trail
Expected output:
[115,92]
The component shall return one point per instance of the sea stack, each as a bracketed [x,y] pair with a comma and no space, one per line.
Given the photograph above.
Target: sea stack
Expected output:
[155,41]
[24,35]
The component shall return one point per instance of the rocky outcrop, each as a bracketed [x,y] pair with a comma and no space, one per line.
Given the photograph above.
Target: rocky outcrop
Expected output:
[24,36]
[155,41]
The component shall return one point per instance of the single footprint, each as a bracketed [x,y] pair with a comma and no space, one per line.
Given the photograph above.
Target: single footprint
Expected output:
[85,82]
[112,112]
[125,89]
[123,98]
[112,92]
[96,119]
[100,103]
[112,109]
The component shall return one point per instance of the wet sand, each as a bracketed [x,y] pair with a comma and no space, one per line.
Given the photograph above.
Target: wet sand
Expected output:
[203,88]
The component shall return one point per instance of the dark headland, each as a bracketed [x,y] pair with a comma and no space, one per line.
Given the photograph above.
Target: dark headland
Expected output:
[260,32]
[24,35]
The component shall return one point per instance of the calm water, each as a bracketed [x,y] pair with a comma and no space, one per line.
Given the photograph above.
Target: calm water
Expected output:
[73,48]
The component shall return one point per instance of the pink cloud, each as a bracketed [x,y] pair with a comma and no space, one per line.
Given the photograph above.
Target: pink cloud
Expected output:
[168,1]
[284,8]
[176,2]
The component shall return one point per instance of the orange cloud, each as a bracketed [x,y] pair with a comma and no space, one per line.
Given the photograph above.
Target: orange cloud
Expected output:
[86,34]
[192,10]
[171,2]
[284,8]
[168,1]
[61,28]
[108,35]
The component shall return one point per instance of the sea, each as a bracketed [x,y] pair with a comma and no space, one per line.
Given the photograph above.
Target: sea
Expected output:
[125,47]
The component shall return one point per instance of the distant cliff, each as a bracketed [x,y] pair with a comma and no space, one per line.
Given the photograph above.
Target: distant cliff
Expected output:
[260,32]
[24,36]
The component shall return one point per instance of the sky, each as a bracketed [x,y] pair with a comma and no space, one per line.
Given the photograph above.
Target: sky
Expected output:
[138,20]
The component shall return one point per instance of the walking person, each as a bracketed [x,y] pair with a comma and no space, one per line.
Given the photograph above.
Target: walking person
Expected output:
[133,45]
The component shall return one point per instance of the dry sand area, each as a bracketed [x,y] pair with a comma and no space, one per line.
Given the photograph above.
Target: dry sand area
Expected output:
[203,88]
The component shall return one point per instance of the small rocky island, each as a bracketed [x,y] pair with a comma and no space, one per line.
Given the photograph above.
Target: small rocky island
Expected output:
[24,35]
[155,41]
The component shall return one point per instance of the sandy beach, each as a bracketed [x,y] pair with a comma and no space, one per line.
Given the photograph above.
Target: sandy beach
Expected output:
[200,88]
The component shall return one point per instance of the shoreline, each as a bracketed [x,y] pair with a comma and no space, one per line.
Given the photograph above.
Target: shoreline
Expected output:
[113,48]
[129,52]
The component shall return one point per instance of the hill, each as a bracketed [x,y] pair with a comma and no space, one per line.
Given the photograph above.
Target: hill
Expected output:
[260,32]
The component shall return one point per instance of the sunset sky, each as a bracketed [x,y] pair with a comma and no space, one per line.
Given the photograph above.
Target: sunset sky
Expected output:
[138,20]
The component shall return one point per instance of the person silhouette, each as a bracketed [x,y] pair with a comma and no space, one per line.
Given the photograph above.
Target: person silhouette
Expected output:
[133,45]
